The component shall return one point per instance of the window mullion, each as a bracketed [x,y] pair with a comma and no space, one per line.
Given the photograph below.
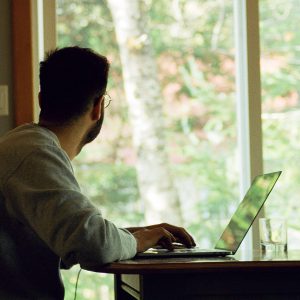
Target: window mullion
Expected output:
[248,100]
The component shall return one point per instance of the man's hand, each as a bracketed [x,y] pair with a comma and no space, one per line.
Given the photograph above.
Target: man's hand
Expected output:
[161,234]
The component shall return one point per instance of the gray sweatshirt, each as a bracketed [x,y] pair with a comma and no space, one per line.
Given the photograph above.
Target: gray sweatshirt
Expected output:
[40,198]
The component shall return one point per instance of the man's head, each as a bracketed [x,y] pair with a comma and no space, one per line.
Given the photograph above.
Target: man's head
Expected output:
[72,80]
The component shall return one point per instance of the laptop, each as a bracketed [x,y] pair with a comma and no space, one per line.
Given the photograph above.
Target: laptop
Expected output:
[237,228]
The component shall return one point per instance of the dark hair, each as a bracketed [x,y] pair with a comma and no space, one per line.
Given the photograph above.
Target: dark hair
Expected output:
[71,80]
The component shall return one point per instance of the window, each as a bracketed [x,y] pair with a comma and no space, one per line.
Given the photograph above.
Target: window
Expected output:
[281,110]
[192,136]
[193,91]
[168,148]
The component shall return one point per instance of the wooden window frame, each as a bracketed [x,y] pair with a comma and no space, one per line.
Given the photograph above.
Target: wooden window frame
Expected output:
[29,46]
[22,40]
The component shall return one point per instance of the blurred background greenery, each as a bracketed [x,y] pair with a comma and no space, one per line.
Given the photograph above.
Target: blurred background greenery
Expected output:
[193,46]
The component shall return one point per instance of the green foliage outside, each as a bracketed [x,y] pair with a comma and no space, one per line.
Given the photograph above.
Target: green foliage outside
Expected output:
[112,187]
[280,104]
[194,48]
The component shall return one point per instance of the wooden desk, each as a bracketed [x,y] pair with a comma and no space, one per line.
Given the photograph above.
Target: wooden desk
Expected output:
[253,277]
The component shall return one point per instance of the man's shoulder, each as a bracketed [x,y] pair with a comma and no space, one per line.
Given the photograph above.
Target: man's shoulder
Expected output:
[27,141]
[29,135]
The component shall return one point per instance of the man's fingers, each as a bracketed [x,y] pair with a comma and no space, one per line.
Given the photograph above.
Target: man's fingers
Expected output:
[147,238]
[165,234]
[166,243]
[185,237]
[181,235]
[162,234]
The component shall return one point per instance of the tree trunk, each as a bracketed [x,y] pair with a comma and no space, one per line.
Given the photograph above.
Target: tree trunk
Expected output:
[145,112]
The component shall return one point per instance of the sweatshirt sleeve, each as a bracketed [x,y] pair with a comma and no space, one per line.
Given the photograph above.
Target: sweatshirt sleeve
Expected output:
[43,194]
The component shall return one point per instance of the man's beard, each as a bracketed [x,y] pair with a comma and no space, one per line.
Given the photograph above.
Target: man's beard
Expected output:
[93,132]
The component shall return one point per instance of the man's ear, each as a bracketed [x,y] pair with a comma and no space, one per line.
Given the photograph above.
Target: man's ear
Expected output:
[97,110]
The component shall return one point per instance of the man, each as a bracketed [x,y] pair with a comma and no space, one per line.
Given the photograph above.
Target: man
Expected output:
[45,221]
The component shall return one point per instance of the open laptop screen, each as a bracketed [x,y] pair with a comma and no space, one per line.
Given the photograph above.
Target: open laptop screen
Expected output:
[246,212]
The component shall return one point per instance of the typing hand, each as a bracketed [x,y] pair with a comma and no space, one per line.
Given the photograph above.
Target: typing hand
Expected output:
[161,234]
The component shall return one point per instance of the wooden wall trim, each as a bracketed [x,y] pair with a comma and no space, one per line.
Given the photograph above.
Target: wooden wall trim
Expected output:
[23,90]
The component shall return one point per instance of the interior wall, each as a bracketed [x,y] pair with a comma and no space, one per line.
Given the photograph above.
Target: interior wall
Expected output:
[6,122]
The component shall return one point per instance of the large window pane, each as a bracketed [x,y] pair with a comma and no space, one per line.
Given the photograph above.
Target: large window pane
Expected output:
[280,57]
[168,147]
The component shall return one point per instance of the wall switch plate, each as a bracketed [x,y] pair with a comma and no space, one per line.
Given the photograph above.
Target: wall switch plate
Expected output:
[3,100]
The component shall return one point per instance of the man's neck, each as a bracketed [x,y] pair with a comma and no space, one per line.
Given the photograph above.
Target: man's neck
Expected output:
[69,137]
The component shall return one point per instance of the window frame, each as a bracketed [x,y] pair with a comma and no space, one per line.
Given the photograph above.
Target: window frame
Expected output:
[23,56]
[248,99]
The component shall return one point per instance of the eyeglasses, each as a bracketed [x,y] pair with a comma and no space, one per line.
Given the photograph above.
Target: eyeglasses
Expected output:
[106,100]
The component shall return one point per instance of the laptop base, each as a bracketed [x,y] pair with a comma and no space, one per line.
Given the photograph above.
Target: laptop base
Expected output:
[185,252]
